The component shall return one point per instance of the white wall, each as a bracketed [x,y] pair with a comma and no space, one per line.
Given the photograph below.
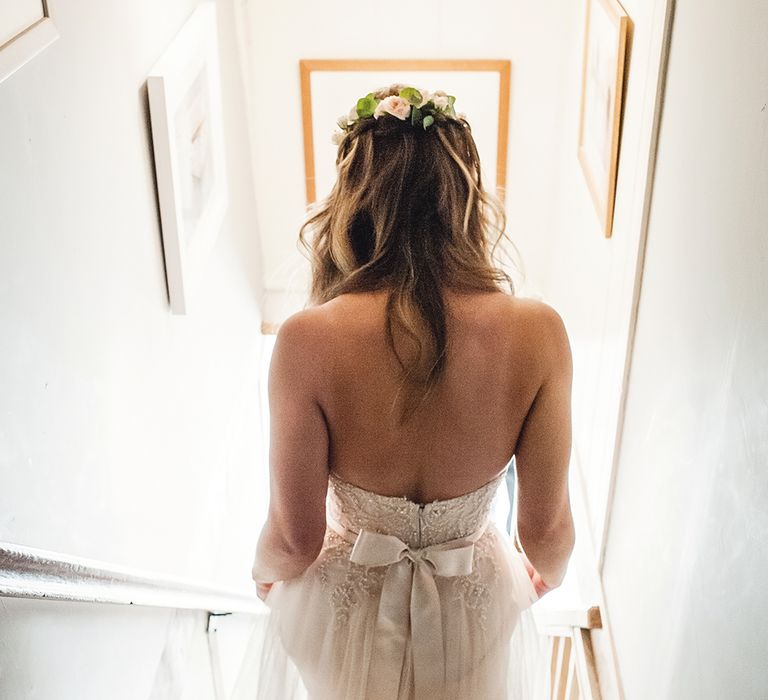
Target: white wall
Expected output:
[686,564]
[126,434]
[120,422]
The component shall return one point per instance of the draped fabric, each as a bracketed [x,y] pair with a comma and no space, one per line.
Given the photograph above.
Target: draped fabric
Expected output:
[406,601]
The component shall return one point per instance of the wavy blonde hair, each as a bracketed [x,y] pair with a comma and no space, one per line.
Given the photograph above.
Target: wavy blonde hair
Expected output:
[407,213]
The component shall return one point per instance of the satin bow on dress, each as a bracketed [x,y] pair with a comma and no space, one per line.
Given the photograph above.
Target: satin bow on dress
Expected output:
[409,618]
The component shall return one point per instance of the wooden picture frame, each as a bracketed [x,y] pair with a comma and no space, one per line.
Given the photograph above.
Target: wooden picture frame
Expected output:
[480,75]
[188,142]
[605,40]
[26,28]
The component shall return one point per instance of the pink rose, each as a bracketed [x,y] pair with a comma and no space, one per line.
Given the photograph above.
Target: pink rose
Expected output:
[394,105]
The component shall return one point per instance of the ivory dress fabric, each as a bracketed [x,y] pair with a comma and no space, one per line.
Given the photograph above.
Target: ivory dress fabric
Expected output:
[406,601]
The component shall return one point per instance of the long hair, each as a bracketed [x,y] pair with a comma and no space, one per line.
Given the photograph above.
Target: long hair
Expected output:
[408,213]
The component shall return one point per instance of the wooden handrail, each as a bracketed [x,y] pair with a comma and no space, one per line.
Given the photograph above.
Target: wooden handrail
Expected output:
[585,618]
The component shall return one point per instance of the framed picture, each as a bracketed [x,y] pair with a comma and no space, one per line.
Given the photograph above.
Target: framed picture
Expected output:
[601,97]
[330,88]
[188,142]
[26,28]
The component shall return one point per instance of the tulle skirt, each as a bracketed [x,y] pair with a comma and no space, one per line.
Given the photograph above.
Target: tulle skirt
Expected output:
[319,640]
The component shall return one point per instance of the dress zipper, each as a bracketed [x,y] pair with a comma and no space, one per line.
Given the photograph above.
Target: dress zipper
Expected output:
[421,512]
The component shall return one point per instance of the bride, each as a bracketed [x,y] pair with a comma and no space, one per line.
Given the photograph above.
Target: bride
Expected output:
[397,401]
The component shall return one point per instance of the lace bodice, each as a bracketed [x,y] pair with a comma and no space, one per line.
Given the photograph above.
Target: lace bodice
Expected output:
[418,525]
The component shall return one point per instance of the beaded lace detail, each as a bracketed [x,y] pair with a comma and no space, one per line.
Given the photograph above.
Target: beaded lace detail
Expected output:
[418,525]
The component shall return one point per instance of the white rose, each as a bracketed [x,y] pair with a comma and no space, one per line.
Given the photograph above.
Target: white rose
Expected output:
[381,93]
[388,90]
[352,117]
[426,96]
[394,105]
[440,99]
[336,137]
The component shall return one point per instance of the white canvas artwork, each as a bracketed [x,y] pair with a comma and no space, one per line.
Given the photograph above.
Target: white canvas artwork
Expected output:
[188,142]
[195,156]
[18,16]
[480,94]
[26,29]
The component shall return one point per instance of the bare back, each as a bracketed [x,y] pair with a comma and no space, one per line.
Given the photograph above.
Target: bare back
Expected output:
[468,429]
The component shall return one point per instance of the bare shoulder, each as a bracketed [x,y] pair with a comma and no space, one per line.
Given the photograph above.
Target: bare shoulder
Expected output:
[542,326]
[540,315]
[304,327]
[301,344]
[325,329]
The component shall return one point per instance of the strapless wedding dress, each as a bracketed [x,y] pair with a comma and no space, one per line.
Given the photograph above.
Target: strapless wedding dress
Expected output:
[406,601]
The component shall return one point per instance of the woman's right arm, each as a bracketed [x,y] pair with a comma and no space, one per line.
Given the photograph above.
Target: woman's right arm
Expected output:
[544,520]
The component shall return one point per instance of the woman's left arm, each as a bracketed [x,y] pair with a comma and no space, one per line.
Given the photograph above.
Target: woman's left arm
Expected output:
[298,451]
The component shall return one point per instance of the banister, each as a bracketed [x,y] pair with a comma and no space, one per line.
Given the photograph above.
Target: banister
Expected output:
[573,671]
[27,572]
[584,618]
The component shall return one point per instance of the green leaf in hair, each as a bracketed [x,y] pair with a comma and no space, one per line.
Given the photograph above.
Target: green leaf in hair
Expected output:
[428,120]
[410,95]
[366,106]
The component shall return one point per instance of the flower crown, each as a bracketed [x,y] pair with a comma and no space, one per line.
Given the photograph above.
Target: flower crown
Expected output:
[401,101]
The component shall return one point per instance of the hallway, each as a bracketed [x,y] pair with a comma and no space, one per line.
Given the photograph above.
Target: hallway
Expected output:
[134,422]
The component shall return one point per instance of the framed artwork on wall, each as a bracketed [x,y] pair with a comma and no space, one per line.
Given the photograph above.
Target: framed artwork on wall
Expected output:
[601,98]
[188,142]
[26,28]
[331,87]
